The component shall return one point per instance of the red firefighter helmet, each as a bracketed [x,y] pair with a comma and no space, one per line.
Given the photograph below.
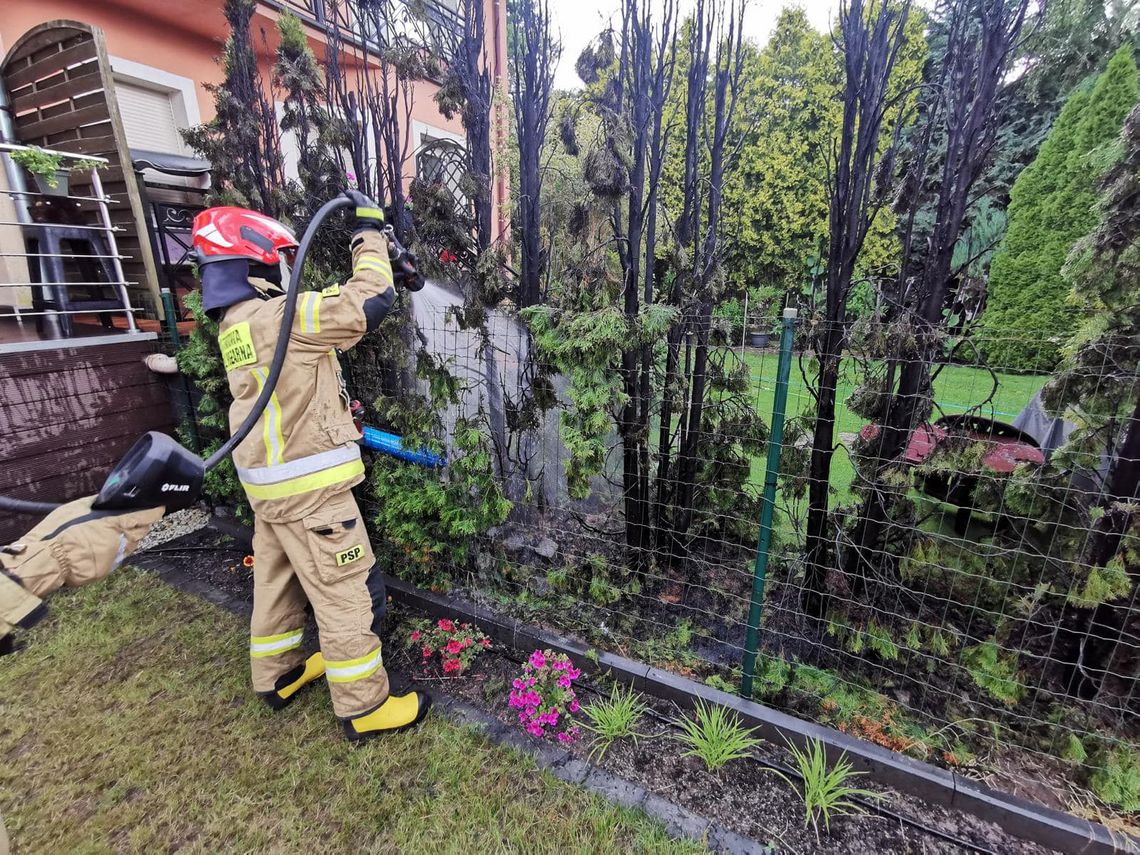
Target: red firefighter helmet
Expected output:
[227,232]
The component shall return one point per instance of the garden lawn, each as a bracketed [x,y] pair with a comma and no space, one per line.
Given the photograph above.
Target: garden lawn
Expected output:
[127,723]
[957,389]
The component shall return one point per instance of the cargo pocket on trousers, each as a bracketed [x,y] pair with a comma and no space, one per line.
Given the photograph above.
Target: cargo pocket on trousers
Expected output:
[342,431]
[339,544]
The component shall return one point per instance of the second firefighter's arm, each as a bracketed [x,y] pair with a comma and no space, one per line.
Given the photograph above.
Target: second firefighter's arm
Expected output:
[72,546]
[340,315]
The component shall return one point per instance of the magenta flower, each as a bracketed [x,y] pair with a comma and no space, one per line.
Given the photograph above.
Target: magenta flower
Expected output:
[544,693]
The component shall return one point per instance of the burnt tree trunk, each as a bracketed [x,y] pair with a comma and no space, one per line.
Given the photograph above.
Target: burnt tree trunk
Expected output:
[980,47]
[723,36]
[534,58]
[870,47]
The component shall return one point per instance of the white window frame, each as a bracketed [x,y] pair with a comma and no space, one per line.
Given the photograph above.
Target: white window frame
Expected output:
[184,98]
[423,129]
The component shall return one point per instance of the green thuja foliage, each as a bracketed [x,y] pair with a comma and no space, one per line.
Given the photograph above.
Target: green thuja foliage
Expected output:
[995,672]
[773,673]
[1052,205]
[1102,585]
[427,519]
[1116,780]
[879,640]
[585,346]
[1074,750]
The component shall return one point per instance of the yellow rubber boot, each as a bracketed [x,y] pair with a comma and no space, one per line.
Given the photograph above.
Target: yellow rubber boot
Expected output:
[395,714]
[289,684]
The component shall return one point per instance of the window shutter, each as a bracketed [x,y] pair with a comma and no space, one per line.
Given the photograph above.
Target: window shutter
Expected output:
[148,118]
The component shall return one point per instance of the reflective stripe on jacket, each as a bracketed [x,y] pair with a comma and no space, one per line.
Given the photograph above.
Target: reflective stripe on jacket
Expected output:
[304,447]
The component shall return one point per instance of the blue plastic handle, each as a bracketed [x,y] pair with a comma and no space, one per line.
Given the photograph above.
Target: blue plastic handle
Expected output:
[389,443]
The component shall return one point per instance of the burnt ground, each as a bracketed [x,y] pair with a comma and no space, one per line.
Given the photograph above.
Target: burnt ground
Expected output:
[745,796]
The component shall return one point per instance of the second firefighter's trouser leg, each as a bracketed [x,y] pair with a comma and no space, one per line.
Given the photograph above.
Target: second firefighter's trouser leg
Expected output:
[332,557]
[278,621]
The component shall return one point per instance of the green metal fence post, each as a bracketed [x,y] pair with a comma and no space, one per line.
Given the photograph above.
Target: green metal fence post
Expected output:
[171,318]
[768,501]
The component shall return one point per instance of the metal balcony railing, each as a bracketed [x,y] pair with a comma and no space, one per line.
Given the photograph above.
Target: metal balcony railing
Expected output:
[53,260]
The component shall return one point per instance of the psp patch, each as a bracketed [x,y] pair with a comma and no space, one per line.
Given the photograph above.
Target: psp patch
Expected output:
[349,555]
[237,347]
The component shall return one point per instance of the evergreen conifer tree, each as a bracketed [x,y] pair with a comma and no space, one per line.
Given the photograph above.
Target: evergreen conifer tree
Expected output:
[1029,316]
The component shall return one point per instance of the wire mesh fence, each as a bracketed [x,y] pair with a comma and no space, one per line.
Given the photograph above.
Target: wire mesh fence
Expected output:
[975,602]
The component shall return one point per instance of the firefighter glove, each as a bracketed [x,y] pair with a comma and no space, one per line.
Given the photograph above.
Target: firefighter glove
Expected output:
[368,214]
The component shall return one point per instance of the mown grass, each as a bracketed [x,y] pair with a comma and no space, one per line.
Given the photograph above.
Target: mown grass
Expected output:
[127,724]
[957,389]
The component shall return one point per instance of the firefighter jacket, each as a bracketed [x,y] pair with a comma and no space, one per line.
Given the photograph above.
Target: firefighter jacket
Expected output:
[304,448]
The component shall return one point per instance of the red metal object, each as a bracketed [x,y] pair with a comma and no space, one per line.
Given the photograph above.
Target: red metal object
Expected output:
[357,410]
[1008,445]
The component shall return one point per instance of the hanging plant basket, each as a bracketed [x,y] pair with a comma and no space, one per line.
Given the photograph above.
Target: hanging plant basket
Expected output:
[758,338]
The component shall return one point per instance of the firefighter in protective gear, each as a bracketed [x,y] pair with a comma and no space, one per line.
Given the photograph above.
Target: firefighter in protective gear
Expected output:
[300,462]
[72,546]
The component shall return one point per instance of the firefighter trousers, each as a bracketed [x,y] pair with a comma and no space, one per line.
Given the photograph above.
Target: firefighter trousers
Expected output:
[324,560]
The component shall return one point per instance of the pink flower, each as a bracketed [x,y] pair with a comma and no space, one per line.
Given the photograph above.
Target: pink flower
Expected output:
[486,642]
[564,682]
[415,636]
[453,647]
[573,673]
[535,729]
[446,625]
[574,705]
[450,665]
[538,659]
[465,643]
[427,652]
[565,737]
[530,711]
[522,718]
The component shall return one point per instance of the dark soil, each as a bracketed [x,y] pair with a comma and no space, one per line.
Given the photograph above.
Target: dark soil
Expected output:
[745,796]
